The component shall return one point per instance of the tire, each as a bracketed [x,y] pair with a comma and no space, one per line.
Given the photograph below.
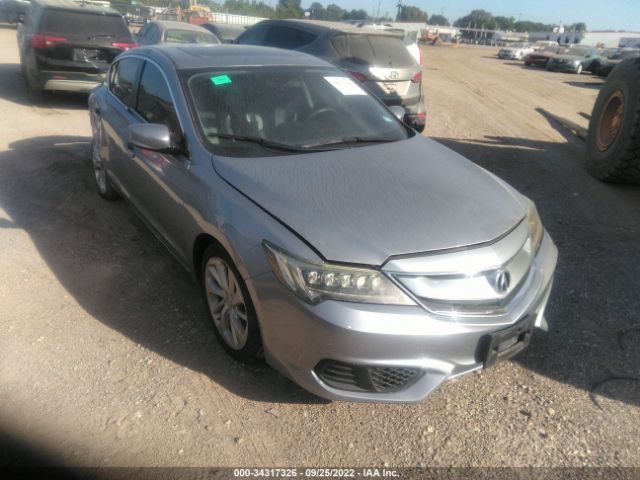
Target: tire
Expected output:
[236,328]
[527,64]
[613,140]
[105,188]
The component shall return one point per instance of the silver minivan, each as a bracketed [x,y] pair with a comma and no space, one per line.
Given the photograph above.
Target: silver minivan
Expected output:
[378,59]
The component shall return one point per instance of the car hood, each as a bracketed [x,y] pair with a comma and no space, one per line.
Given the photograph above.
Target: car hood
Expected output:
[365,204]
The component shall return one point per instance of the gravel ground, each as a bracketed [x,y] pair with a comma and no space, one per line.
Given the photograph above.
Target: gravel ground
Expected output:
[106,356]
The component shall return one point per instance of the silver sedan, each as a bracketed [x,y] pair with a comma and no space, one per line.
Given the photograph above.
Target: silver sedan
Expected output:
[362,260]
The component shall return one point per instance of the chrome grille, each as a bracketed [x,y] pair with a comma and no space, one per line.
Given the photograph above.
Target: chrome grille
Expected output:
[475,281]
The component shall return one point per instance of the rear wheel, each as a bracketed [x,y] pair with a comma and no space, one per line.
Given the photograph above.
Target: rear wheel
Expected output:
[613,141]
[230,307]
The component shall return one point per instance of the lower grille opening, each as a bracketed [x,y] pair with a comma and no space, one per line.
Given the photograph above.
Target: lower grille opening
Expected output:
[363,378]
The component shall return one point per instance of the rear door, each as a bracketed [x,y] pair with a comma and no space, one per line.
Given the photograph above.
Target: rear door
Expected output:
[72,40]
[117,114]
[382,63]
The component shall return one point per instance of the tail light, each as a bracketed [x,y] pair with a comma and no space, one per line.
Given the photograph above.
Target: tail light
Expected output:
[358,76]
[47,41]
[124,45]
[417,78]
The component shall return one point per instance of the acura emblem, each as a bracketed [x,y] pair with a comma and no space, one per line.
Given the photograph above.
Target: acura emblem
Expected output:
[503,280]
[393,75]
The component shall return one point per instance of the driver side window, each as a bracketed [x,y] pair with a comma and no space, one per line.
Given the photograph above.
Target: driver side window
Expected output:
[154,103]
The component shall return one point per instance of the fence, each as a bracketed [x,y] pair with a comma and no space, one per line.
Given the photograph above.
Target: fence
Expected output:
[232,19]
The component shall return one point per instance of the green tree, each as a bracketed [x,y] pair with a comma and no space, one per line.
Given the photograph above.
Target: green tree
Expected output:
[504,23]
[576,27]
[412,14]
[249,7]
[440,20]
[476,19]
[355,15]
[289,9]
[317,11]
[334,12]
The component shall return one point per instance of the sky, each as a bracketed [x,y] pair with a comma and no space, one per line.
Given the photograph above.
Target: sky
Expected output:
[597,14]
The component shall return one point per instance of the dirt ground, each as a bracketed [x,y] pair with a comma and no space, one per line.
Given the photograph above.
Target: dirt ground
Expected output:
[107,358]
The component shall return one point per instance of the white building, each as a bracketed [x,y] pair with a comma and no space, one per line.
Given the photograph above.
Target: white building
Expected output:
[608,39]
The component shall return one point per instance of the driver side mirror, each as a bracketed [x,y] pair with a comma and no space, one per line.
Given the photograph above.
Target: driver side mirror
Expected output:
[398,112]
[152,136]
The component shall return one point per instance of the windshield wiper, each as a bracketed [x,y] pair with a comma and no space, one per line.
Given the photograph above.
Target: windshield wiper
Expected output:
[264,143]
[350,140]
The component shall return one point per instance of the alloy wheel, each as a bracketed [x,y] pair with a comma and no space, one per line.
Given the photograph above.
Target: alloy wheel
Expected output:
[226,303]
[98,167]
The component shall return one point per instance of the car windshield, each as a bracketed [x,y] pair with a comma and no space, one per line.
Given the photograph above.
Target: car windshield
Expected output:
[189,36]
[577,51]
[255,111]
[518,45]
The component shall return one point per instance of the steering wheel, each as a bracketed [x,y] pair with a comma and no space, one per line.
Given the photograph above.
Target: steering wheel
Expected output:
[322,111]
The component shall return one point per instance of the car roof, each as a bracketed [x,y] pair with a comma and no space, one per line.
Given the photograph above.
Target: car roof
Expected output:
[320,26]
[75,6]
[170,24]
[186,57]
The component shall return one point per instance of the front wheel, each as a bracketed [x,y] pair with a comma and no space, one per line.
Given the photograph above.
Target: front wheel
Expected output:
[105,188]
[230,306]
[613,140]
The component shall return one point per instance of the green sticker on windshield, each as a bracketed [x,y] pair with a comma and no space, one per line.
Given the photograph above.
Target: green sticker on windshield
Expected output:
[221,80]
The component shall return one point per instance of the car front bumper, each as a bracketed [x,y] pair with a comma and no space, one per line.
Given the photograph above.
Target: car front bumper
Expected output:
[299,339]
[563,67]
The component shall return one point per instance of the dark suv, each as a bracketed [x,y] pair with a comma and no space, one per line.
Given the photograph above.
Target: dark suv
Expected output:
[68,46]
[377,58]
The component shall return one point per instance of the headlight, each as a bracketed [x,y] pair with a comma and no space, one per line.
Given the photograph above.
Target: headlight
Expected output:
[316,282]
[576,62]
[535,226]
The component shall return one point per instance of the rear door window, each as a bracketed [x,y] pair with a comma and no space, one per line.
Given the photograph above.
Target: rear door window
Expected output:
[123,79]
[85,24]
[254,36]
[289,38]
[375,50]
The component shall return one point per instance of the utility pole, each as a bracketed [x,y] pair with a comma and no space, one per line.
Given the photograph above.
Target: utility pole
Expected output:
[399,14]
[378,9]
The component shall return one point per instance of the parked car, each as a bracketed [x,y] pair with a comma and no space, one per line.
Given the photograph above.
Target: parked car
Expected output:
[541,58]
[541,45]
[166,31]
[68,46]
[378,59]
[575,60]
[613,154]
[515,51]
[13,11]
[366,261]
[226,33]
[605,65]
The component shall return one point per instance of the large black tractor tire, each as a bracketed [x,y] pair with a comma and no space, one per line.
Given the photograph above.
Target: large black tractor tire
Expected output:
[613,141]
